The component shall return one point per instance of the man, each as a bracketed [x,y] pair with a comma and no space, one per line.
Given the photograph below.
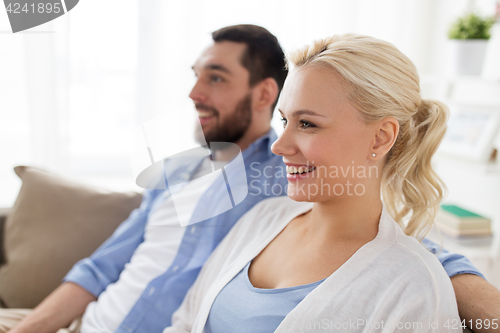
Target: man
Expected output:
[139,277]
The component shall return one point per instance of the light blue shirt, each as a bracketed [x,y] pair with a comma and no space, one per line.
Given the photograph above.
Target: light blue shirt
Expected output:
[153,311]
[242,308]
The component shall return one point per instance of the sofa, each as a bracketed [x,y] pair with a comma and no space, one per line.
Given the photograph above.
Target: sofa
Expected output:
[53,223]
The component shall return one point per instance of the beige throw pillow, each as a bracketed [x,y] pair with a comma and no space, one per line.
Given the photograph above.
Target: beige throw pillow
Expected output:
[53,224]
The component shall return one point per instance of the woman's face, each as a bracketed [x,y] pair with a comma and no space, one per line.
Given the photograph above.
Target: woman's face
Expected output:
[324,137]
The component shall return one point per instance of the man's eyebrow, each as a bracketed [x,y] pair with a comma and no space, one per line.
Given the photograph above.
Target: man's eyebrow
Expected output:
[215,67]
[218,68]
[304,112]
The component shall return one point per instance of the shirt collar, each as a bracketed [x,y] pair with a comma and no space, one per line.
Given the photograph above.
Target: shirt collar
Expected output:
[263,143]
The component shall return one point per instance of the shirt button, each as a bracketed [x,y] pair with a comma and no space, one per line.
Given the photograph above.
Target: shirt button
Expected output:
[175,268]
[193,229]
[151,291]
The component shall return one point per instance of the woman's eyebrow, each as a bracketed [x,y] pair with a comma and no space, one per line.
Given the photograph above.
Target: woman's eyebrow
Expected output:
[304,112]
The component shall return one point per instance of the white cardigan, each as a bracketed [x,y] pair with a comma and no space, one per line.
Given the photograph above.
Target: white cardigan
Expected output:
[392,282]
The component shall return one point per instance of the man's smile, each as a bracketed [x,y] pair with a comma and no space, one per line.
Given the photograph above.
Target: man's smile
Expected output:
[205,116]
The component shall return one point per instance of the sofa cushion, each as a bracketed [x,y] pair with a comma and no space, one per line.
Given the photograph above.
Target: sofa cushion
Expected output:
[53,224]
[3,217]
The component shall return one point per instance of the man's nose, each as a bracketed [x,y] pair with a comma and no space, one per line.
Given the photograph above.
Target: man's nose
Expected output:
[198,94]
[285,145]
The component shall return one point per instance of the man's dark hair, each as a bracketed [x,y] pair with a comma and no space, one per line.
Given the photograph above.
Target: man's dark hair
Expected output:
[263,56]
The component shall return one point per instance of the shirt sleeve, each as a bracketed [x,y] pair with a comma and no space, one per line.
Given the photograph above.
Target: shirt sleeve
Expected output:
[105,265]
[453,263]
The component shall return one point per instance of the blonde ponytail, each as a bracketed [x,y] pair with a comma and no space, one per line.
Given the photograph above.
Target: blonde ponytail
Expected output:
[383,82]
[409,184]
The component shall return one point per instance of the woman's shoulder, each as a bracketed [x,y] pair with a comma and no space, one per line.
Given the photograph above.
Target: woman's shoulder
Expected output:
[408,251]
[420,270]
[417,269]
[424,261]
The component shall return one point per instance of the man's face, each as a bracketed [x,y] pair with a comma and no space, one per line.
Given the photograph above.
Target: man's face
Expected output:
[222,95]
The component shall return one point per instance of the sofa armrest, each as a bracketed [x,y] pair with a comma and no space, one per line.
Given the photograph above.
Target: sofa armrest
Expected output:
[3,217]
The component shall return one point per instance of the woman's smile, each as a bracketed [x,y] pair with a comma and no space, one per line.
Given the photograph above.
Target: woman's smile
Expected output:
[298,171]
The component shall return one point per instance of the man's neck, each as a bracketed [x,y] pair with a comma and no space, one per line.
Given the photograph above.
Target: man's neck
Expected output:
[228,153]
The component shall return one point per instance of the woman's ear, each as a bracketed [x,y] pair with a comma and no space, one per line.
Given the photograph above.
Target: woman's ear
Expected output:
[265,94]
[386,133]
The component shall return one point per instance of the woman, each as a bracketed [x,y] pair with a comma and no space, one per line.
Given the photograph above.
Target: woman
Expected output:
[332,256]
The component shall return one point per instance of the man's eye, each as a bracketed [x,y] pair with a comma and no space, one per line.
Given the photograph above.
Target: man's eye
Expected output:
[283,121]
[305,124]
[215,78]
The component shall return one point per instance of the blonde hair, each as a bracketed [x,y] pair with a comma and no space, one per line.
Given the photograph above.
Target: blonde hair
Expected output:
[382,82]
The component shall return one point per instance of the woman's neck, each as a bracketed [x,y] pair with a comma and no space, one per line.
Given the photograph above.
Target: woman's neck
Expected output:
[348,219]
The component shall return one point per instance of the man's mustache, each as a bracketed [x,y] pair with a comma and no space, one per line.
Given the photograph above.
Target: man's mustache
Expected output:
[204,107]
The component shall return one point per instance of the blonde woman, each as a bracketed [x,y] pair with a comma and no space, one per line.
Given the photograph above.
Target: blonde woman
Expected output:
[334,256]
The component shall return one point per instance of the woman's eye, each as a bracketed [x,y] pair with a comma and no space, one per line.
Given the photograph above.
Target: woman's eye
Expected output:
[283,121]
[305,124]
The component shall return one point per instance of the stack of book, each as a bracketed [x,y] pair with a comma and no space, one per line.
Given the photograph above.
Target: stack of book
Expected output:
[456,221]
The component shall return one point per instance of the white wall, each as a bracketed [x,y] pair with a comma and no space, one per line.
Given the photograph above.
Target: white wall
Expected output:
[72,89]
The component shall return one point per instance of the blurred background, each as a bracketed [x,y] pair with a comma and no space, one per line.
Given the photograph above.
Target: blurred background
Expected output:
[73,90]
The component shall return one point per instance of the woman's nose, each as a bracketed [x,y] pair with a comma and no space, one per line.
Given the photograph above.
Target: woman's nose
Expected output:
[285,145]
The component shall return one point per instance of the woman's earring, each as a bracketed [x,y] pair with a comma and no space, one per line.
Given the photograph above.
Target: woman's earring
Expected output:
[373,155]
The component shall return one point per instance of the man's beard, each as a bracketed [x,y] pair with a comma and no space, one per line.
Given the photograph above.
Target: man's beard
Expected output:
[229,129]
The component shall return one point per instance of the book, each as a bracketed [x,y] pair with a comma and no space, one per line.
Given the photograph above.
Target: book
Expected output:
[456,221]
